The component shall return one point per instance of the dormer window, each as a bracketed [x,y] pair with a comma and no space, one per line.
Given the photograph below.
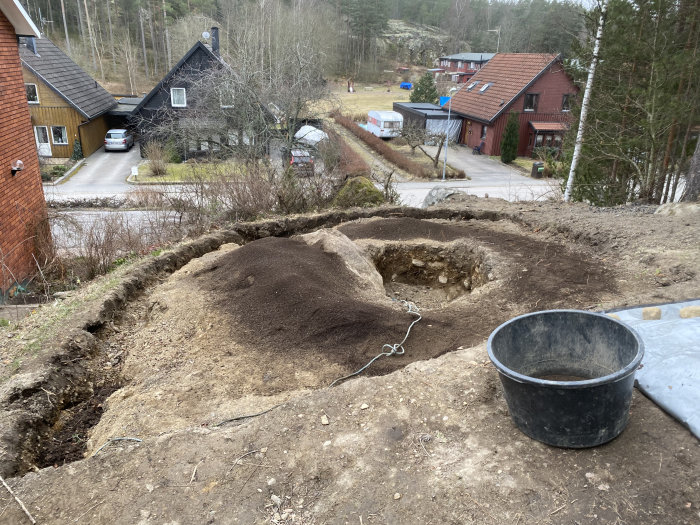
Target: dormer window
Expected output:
[472,85]
[32,93]
[485,87]
[178,97]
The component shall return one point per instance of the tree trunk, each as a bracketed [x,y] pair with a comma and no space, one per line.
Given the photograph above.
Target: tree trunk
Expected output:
[167,39]
[91,38]
[111,37]
[81,26]
[692,179]
[65,27]
[143,44]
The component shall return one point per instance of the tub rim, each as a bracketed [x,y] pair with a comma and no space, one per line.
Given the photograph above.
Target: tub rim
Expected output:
[618,375]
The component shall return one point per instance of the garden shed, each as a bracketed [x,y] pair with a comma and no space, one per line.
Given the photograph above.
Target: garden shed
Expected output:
[430,117]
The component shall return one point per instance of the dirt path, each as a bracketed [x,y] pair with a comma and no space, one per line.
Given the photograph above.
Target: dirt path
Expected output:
[374,160]
[424,437]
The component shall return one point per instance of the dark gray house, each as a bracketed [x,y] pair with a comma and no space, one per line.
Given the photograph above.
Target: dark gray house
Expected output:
[192,108]
[430,117]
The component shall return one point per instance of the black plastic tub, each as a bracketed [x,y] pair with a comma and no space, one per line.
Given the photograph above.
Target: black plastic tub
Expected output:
[567,375]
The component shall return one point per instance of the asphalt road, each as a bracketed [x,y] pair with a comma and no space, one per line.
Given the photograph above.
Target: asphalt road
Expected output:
[103,174]
[487,177]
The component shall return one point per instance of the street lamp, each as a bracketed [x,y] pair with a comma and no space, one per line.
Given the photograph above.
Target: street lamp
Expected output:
[447,130]
[497,30]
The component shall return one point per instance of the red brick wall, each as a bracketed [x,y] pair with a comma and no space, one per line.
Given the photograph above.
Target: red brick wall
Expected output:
[22,205]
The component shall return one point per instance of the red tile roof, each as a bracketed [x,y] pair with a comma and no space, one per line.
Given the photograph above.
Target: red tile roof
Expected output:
[510,74]
[549,126]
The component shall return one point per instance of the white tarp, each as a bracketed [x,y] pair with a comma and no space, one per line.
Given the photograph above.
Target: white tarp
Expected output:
[438,127]
[310,135]
[670,370]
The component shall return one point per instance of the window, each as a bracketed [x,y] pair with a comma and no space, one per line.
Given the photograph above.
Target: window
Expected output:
[531,102]
[565,102]
[484,127]
[472,66]
[32,93]
[472,85]
[116,135]
[178,97]
[485,87]
[538,140]
[59,135]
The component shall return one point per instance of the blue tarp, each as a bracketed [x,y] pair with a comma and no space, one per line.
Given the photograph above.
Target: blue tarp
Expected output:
[670,370]
[444,100]
[406,85]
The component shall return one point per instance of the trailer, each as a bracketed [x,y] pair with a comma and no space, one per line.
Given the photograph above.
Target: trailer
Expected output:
[384,124]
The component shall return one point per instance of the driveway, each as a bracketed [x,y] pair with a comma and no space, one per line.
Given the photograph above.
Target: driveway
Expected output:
[488,177]
[103,174]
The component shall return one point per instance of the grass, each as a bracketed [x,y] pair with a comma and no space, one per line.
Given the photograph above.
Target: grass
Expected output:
[185,171]
[365,98]
[44,325]
[427,164]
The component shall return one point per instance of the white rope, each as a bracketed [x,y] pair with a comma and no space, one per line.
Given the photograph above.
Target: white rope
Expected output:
[395,349]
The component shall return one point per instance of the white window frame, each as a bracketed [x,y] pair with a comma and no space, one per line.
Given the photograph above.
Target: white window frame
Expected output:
[65,133]
[36,88]
[184,96]
[485,87]
[484,130]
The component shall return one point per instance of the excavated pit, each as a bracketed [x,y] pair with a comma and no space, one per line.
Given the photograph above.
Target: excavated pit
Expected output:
[430,276]
[247,327]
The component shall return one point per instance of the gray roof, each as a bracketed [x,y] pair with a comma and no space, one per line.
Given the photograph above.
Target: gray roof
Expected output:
[470,57]
[67,78]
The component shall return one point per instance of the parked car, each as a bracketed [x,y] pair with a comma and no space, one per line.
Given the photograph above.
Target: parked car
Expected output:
[118,140]
[300,160]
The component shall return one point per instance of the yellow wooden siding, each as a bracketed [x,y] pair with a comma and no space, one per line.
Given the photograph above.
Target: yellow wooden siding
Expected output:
[92,135]
[53,110]
[47,96]
[67,117]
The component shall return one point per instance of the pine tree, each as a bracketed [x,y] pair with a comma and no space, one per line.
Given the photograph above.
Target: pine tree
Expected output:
[425,90]
[511,137]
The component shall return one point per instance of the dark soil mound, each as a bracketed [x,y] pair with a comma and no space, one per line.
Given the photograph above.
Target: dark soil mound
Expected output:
[282,293]
[404,229]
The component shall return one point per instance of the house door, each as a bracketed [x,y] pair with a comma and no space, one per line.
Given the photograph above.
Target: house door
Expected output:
[43,146]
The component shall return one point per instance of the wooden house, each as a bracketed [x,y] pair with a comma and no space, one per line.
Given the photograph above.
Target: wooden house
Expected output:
[22,205]
[192,109]
[64,101]
[532,84]
[461,67]
[172,100]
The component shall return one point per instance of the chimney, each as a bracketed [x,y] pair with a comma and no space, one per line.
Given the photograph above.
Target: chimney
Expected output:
[215,40]
[31,44]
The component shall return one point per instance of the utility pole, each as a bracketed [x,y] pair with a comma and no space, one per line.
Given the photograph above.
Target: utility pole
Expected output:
[586,102]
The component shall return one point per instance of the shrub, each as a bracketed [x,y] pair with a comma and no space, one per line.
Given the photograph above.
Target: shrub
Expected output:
[509,143]
[425,90]
[378,145]
[77,150]
[157,158]
[358,191]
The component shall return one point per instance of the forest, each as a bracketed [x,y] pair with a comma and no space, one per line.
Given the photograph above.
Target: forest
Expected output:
[643,116]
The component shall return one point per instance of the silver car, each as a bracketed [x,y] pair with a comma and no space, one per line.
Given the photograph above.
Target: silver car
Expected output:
[118,140]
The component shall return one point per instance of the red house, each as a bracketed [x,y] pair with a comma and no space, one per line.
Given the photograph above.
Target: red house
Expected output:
[22,205]
[462,66]
[534,85]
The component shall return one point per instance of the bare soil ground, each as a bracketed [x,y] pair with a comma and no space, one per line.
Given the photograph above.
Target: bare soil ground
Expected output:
[423,437]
